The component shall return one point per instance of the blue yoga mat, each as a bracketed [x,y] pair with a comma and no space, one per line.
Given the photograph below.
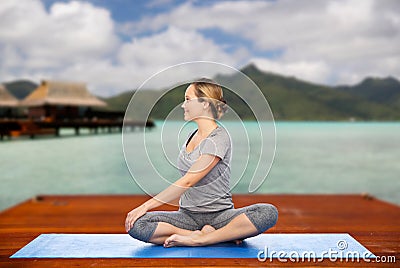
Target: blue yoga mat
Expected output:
[123,246]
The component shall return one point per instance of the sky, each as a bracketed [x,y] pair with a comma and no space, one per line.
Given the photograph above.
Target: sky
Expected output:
[114,46]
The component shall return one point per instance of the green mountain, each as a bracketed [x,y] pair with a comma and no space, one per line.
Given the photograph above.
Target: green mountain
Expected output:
[293,99]
[380,90]
[289,98]
[118,102]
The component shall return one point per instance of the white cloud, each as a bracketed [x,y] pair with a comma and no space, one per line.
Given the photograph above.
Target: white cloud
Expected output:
[36,41]
[141,58]
[78,41]
[331,34]
[171,46]
[337,41]
[304,70]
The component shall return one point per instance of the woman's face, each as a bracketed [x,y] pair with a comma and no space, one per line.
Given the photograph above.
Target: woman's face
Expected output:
[192,108]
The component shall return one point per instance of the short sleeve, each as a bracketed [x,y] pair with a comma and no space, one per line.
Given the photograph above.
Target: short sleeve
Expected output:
[217,144]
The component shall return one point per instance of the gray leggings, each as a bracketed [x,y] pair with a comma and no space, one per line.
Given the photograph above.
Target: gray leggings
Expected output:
[263,216]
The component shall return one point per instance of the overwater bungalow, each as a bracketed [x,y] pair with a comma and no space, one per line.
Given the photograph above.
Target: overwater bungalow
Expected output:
[57,100]
[8,103]
[54,105]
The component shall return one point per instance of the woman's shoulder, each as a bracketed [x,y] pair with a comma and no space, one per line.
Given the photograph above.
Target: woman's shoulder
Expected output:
[220,133]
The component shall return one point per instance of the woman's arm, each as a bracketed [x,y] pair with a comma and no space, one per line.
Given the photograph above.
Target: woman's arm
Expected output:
[204,164]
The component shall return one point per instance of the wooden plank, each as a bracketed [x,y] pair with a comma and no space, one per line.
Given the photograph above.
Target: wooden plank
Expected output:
[374,223]
[24,127]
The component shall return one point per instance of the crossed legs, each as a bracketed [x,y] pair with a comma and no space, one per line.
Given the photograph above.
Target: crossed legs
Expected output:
[180,229]
[239,228]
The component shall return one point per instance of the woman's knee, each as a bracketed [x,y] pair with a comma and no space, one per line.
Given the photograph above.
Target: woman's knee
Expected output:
[263,216]
[272,212]
[143,229]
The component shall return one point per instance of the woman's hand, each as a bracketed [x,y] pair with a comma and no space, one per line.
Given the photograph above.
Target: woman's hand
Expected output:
[133,215]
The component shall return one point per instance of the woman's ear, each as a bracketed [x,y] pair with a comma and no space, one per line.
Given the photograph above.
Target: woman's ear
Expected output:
[206,104]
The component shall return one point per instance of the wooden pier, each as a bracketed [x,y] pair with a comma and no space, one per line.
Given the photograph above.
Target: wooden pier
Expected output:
[31,128]
[374,223]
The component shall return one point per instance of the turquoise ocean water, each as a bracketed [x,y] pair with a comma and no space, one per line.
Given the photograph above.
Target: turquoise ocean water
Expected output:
[311,157]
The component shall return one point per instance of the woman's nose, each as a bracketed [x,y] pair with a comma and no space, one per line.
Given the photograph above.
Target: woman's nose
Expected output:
[183,104]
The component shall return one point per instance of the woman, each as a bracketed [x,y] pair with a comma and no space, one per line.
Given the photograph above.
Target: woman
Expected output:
[206,213]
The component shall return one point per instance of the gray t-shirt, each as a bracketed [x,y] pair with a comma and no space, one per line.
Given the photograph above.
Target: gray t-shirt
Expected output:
[212,192]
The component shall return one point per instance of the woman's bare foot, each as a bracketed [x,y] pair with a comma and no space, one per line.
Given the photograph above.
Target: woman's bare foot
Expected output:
[207,229]
[184,240]
[188,240]
[237,241]
[194,239]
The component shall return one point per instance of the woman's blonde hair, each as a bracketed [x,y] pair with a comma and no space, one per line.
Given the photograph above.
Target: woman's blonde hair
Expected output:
[208,90]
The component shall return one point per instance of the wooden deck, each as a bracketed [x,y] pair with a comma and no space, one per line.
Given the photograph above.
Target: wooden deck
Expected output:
[16,128]
[374,223]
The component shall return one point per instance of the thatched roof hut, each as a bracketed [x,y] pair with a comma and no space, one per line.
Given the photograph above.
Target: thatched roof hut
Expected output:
[53,100]
[61,93]
[6,99]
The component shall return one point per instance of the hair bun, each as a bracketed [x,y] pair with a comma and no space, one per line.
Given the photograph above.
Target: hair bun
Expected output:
[208,90]
[221,107]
